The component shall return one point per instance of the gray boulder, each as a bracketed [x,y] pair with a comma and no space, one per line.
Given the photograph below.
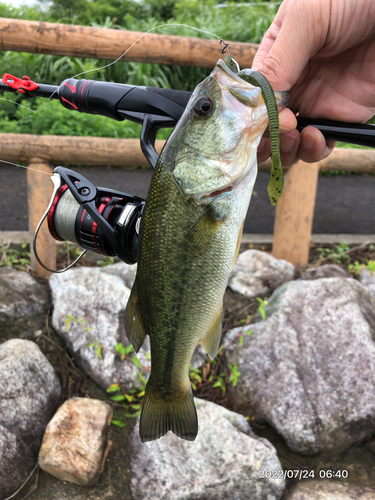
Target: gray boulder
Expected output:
[23,303]
[329,489]
[326,271]
[124,271]
[88,308]
[368,279]
[29,394]
[225,461]
[309,368]
[257,273]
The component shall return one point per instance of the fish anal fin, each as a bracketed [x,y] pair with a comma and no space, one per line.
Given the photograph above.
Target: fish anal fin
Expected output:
[176,413]
[134,327]
[211,340]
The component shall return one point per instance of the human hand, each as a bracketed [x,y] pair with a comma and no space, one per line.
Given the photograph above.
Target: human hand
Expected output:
[323,52]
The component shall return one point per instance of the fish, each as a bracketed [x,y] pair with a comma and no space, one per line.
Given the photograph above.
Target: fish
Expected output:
[189,239]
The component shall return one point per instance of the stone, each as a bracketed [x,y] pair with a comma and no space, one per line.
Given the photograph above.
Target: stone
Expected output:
[326,271]
[258,273]
[75,444]
[366,277]
[16,460]
[88,313]
[29,394]
[225,461]
[309,368]
[23,304]
[124,271]
[329,490]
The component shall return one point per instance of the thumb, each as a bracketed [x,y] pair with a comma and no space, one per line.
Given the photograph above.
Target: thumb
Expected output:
[298,31]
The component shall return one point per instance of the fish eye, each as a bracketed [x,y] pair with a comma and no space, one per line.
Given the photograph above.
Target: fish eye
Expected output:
[204,106]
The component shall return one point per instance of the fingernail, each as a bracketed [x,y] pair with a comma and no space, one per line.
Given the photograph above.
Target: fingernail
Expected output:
[287,143]
[308,141]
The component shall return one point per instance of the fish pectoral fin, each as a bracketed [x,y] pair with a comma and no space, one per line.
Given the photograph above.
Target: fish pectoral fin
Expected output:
[211,340]
[237,251]
[200,234]
[176,413]
[134,327]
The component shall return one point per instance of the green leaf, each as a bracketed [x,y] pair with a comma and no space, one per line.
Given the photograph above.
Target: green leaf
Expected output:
[137,362]
[240,342]
[99,351]
[114,388]
[117,398]
[93,344]
[120,348]
[119,423]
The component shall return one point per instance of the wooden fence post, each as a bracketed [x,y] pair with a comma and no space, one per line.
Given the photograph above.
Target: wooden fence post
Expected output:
[39,192]
[294,214]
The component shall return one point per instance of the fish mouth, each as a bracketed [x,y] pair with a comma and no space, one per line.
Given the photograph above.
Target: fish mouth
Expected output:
[218,193]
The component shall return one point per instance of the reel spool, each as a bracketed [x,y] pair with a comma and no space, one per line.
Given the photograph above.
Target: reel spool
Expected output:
[101,220]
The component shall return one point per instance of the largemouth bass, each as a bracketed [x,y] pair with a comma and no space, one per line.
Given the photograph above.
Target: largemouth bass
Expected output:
[189,240]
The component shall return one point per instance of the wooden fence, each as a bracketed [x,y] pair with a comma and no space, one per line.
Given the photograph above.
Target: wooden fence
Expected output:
[294,211]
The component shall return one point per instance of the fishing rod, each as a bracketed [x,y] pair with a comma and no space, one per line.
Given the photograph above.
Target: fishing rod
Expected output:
[107,221]
[120,101]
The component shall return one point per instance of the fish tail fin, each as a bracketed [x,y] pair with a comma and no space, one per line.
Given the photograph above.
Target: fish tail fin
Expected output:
[176,414]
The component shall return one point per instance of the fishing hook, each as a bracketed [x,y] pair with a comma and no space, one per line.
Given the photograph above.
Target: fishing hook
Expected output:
[224,47]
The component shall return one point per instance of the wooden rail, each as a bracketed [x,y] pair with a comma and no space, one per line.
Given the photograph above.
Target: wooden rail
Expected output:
[294,212]
[104,43]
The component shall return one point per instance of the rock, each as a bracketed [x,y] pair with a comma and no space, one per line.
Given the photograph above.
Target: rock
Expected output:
[29,394]
[16,462]
[257,273]
[95,302]
[309,369]
[75,445]
[23,303]
[223,462]
[326,271]
[124,271]
[329,490]
[366,277]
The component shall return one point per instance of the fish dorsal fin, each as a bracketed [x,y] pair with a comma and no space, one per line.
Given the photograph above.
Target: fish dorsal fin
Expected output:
[134,327]
[211,340]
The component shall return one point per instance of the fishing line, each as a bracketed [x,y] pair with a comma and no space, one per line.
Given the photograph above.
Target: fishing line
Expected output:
[23,166]
[132,45]
[17,104]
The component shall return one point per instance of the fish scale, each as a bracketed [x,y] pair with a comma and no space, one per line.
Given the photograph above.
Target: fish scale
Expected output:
[188,242]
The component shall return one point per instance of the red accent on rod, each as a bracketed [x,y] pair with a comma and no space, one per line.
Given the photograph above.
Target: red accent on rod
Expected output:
[66,100]
[73,89]
[20,84]
[87,81]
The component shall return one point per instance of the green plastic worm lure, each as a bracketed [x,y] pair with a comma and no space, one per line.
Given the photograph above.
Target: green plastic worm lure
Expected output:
[276,184]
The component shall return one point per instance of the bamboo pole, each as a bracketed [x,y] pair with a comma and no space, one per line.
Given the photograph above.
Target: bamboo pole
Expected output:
[102,43]
[39,191]
[294,214]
